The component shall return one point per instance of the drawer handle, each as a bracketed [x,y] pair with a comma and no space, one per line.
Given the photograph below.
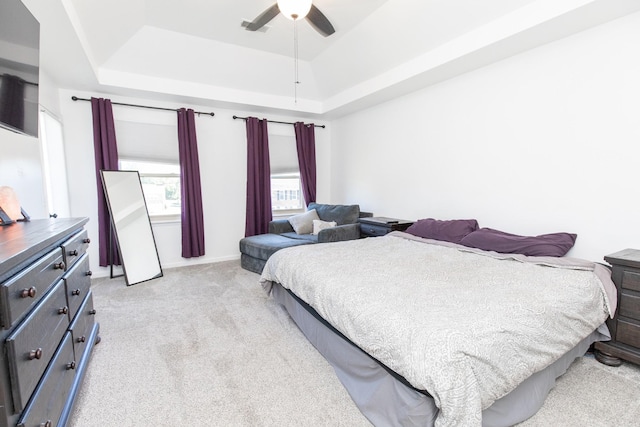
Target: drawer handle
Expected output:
[63,310]
[73,252]
[87,240]
[75,292]
[71,365]
[35,354]
[89,273]
[59,266]
[47,424]
[82,339]
[29,293]
[92,312]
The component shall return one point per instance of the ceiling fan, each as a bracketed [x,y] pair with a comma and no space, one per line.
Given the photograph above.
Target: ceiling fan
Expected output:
[311,13]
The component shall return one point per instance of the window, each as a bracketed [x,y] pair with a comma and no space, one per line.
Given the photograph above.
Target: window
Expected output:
[286,188]
[286,193]
[160,185]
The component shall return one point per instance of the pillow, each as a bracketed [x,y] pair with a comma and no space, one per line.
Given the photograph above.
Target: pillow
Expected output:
[319,225]
[450,231]
[554,244]
[303,223]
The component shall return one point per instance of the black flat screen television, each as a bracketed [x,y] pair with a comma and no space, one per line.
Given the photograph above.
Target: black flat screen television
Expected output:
[19,68]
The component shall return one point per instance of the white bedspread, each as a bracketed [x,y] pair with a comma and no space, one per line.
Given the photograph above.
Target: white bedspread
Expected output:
[465,325]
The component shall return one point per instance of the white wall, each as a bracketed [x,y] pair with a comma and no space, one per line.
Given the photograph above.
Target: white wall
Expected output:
[222,153]
[21,170]
[541,142]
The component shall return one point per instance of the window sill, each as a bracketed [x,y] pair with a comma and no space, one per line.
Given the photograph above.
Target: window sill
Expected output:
[165,219]
[286,214]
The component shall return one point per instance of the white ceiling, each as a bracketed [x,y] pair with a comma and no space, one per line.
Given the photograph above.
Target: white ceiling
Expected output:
[197,50]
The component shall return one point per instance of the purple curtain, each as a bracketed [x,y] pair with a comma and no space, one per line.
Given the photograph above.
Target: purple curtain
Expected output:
[258,178]
[190,188]
[106,158]
[306,145]
[12,101]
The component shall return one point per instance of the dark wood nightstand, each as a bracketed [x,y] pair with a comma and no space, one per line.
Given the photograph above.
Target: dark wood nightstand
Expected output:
[379,226]
[625,327]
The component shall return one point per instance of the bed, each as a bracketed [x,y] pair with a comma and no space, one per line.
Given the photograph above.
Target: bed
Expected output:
[424,332]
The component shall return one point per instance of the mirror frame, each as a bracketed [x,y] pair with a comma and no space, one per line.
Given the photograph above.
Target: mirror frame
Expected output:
[135,204]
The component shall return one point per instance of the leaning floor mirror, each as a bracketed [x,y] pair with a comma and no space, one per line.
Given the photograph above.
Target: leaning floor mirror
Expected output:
[132,226]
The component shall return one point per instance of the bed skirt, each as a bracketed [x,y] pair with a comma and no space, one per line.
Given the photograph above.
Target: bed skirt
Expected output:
[386,399]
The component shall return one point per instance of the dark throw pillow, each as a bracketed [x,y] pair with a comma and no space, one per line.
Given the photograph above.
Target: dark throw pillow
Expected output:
[449,231]
[554,244]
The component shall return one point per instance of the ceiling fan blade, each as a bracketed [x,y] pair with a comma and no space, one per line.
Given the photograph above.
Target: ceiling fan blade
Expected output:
[264,18]
[320,22]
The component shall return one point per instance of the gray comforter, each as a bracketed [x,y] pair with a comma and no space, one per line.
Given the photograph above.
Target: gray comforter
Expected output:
[465,325]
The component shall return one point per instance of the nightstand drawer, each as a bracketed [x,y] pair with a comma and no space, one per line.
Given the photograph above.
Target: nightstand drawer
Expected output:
[24,290]
[628,333]
[370,230]
[33,343]
[630,306]
[49,398]
[379,226]
[631,280]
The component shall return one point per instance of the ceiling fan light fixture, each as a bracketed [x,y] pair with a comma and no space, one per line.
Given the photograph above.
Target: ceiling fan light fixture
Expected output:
[294,9]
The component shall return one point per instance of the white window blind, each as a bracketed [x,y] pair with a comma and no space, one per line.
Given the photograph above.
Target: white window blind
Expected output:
[283,155]
[147,141]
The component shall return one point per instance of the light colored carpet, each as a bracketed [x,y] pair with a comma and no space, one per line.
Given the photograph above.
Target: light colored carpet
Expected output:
[204,345]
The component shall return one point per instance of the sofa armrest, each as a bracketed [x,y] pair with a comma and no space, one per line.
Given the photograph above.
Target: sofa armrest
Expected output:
[339,233]
[279,226]
[366,214]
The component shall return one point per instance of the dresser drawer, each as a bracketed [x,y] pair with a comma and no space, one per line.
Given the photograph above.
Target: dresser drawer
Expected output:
[23,290]
[82,326]
[32,344]
[77,282]
[631,280]
[370,230]
[75,247]
[50,396]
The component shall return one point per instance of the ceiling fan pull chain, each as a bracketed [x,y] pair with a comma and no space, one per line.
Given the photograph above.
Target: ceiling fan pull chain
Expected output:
[296,82]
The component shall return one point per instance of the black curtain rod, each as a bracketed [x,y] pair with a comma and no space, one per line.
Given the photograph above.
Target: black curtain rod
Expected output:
[75,98]
[275,121]
[27,82]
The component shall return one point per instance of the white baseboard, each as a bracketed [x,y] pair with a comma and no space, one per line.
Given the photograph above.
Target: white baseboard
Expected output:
[106,271]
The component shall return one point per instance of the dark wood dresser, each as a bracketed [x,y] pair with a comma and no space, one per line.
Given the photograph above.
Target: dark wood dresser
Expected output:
[379,226]
[47,320]
[625,327]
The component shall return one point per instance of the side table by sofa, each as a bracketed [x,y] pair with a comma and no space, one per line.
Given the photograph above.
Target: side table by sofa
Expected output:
[379,226]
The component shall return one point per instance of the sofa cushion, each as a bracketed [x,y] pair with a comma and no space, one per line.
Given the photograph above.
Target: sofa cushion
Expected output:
[341,214]
[263,246]
[311,238]
[303,223]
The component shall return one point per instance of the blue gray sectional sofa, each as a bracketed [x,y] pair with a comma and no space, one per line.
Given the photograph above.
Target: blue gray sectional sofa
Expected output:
[299,230]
